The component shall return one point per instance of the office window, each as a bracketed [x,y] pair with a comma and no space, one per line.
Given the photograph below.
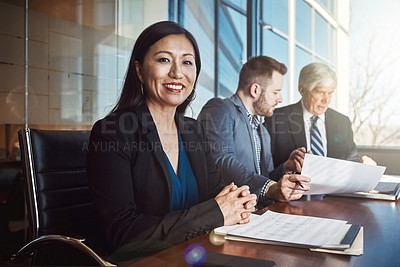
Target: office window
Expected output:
[241,4]
[328,5]
[303,58]
[324,34]
[276,46]
[321,36]
[323,47]
[199,20]
[331,7]
[324,3]
[231,48]
[303,23]
[331,44]
[315,38]
[374,64]
[275,13]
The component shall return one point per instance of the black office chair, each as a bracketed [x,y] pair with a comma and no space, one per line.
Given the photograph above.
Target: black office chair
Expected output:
[63,227]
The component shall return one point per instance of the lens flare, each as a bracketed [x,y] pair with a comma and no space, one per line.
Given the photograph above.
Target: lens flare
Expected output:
[195,255]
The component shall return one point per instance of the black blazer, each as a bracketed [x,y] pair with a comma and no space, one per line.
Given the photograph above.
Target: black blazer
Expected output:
[286,128]
[131,184]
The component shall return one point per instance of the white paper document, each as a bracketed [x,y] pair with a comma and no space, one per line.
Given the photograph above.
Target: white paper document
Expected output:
[330,176]
[283,228]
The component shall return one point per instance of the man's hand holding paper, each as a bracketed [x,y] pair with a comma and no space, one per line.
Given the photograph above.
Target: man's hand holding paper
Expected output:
[289,187]
[295,161]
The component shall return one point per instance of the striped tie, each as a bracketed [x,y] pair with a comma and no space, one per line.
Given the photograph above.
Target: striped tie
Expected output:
[316,141]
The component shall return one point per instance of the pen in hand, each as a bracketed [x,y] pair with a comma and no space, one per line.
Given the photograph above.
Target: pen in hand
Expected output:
[300,184]
[297,182]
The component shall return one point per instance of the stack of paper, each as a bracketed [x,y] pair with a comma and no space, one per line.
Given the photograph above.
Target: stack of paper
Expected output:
[319,234]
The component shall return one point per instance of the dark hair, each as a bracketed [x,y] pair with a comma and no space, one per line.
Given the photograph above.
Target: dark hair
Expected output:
[258,69]
[131,96]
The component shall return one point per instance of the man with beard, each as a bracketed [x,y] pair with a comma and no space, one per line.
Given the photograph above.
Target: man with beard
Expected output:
[240,144]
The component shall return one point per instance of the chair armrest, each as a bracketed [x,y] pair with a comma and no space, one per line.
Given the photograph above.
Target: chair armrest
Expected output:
[28,250]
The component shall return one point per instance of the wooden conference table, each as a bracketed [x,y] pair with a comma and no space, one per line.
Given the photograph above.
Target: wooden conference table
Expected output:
[380,219]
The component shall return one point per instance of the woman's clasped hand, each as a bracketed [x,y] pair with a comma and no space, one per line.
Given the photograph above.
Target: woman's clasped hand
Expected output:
[236,204]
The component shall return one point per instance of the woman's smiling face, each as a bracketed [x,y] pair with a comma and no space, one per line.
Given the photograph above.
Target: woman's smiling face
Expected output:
[168,72]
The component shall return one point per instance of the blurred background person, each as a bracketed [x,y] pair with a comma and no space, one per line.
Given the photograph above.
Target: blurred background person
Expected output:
[310,123]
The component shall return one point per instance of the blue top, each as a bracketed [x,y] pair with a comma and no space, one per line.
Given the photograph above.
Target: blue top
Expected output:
[184,188]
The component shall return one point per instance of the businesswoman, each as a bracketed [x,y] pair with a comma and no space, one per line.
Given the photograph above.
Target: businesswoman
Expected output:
[153,180]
